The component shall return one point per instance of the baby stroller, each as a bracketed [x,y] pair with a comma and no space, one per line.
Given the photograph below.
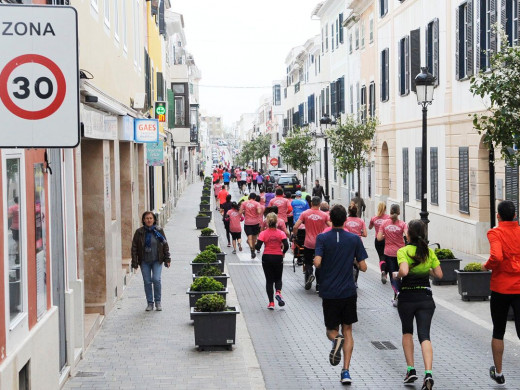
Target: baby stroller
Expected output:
[297,248]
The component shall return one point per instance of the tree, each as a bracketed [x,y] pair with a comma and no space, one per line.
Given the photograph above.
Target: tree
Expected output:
[298,150]
[499,89]
[351,144]
[262,146]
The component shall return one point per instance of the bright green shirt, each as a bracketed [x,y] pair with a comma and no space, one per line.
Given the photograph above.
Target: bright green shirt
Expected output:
[304,195]
[418,275]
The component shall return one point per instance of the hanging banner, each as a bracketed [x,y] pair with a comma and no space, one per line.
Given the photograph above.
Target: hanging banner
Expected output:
[155,154]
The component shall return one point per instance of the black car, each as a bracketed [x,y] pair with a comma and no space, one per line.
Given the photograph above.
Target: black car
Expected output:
[289,182]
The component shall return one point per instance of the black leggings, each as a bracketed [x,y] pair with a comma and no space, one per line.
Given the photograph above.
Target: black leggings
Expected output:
[308,260]
[499,309]
[422,310]
[273,269]
[228,232]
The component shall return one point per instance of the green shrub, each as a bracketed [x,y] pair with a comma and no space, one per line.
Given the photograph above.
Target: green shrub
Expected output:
[204,202]
[206,257]
[211,303]
[206,283]
[473,267]
[213,248]
[202,215]
[444,254]
[209,270]
[207,232]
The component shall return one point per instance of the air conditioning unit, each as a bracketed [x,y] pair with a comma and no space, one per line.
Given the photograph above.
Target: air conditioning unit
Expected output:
[139,100]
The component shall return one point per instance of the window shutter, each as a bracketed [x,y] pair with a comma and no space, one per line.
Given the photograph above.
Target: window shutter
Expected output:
[434,176]
[503,17]
[358,101]
[469,39]
[415,56]
[341,27]
[342,94]
[387,74]
[332,36]
[406,178]
[383,82]
[351,99]
[518,21]
[162,24]
[333,98]
[407,64]
[463,179]
[418,173]
[436,50]
[171,109]
[493,20]
[399,66]
[512,184]
[457,43]
[147,81]
[160,86]
[481,56]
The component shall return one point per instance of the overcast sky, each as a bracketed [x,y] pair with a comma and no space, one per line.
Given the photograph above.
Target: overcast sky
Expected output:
[242,43]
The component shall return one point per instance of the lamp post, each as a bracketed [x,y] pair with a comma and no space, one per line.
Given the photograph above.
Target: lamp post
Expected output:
[425,85]
[324,122]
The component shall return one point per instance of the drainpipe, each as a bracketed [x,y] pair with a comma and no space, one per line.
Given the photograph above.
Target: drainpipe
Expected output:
[492,209]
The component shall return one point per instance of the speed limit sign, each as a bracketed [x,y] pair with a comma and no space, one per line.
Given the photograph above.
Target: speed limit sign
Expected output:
[39,77]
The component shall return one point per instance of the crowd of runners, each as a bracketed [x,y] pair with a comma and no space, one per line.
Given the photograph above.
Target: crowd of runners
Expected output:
[328,244]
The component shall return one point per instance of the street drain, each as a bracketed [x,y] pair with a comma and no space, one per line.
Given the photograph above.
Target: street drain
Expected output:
[87,374]
[383,345]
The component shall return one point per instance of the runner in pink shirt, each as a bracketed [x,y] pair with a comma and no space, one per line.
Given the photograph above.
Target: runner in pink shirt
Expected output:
[393,231]
[235,217]
[251,209]
[357,226]
[280,225]
[315,221]
[376,222]
[276,245]
[216,189]
[283,204]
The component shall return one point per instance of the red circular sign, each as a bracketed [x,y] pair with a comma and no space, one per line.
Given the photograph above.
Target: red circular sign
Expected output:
[20,112]
[274,161]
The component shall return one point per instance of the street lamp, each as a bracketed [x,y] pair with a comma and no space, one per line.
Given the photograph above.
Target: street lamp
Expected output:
[425,84]
[324,122]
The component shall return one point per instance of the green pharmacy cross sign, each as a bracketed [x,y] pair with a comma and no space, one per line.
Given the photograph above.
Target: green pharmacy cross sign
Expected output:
[160,111]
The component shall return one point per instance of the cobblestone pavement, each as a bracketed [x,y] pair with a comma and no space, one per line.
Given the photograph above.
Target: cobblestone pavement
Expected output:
[142,350]
[292,348]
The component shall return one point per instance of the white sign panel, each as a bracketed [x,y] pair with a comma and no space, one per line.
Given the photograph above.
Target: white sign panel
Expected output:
[39,76]
[146,130]
[274,151]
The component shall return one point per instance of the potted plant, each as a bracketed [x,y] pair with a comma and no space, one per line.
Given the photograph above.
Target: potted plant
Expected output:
[204,205]
[207,237]
[216,249]
[448,265]
[205,198]
[214,323]
[202,221]
[205,285]
[474,282]
[205,258]
[214,272]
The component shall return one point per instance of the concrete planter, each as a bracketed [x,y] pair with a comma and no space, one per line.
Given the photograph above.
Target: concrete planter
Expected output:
[196,267]
[205,207]
[204,241]
[448,267]
[222,257]
[205,198]
[215,328]
[222,278]
[474,286]
[206,192]
[202,222]
[194,295]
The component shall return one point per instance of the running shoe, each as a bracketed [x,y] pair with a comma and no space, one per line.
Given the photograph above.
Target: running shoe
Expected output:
[428,382]
[335,352]
[383,277]
[279,298]
[270,306]
[497,378]
[253,254]
[411,376]
[395,300]
[234,251]
[229,245]
[240,247]
[308,282]
[345,377]
[317,288]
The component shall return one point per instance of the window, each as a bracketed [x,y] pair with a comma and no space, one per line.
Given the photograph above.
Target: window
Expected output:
[337,32]
[333,99]
[383,7]
[385,82]
[181,97]
[95,5]
[404,66]
[116,19]
[464,40]
[362,34]
[406,178]
[277,98]
[486,38]
[327,100]
[464,180]
[432,48]
[434,176]
[332,37]
[341,27]
[358,101]
[509,17]
[152,84]
[147,78]
[160,87]
[371,28]
[310,110]
[363,103]
[351,99]
[322,42]
[357,37]
[415,56]
[341,94]
[135,9]
[372,99]
[107,13]
[326,37]
[350,42]
[512,185]
[418,173]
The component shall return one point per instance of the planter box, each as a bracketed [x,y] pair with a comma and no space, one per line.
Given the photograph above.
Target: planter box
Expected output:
[215,329]
[194,295]
[202,222]
[511,314]
[204,241]
[222,279]
[196,267]
[222,257]
[205,197]
[448,267]
[206,193]
[205,207]
[474,286]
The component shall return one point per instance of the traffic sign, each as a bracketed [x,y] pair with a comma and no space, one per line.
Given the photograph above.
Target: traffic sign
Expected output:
[273,162]
[39,77]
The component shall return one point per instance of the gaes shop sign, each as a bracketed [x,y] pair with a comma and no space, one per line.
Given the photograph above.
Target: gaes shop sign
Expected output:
[146,130]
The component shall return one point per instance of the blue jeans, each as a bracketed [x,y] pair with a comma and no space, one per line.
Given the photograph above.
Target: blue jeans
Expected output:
[152,274]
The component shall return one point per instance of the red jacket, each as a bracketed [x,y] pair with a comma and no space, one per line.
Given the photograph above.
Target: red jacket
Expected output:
[504,257]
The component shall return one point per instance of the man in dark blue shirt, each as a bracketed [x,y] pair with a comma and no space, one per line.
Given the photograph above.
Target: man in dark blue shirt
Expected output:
[336,253]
